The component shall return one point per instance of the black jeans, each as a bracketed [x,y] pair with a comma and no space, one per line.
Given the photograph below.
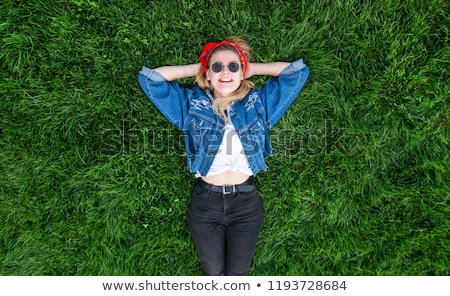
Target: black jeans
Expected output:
[225,228]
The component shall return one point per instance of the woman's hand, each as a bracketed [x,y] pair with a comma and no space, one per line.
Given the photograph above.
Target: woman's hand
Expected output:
[249,72]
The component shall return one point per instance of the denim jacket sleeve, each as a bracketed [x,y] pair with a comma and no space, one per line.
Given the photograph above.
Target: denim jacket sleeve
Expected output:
[279,92]
[169,97]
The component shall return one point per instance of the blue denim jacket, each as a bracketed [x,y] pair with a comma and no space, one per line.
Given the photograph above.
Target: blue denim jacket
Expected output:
[190,109]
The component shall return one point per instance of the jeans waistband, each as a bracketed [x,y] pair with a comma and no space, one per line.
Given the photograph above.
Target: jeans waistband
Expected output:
[247,186]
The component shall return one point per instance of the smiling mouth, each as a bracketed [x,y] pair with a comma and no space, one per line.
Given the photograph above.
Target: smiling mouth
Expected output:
[225,80]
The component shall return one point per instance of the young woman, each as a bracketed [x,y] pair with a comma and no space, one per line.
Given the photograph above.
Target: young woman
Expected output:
[225,120]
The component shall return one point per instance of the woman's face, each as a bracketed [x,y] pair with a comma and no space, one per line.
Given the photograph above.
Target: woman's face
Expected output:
[225,82]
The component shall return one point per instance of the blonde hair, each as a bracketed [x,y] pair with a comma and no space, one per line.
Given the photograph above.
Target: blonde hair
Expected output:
[221,104]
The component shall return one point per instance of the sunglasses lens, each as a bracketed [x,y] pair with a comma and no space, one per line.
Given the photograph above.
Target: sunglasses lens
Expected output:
[233,67]
[216,67]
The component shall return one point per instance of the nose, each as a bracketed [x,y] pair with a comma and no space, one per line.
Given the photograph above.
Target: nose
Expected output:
[225,69]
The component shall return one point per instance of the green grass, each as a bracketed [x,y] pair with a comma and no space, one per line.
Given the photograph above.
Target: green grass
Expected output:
[93,178]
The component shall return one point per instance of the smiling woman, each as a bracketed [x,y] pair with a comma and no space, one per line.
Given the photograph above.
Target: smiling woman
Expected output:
[224,82]
[93,179]
[226,122]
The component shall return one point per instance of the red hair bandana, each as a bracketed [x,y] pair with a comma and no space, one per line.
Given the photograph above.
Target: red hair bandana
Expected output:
[211,46]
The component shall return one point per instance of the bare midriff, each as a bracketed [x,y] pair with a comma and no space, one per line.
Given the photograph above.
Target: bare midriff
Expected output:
[226,178]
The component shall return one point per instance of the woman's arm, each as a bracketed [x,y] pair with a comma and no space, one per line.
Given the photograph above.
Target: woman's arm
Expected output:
[269,69]
[177,72]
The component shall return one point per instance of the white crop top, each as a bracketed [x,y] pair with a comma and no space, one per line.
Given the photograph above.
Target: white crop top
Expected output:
[230,156]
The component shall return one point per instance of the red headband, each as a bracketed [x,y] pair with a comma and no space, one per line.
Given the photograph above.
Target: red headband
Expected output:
[211,46]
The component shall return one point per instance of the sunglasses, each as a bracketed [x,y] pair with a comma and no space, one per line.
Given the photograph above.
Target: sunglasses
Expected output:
[233,67]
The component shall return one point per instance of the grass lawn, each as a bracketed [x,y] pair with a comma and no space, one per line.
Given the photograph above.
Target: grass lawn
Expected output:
[93,179]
